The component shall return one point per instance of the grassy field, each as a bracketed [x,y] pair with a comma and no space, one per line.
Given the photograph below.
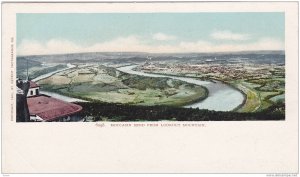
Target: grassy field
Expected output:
[97,82]
[259,98]
[252,102]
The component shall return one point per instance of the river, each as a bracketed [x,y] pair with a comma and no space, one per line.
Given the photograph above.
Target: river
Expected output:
[62,97]
[221,97]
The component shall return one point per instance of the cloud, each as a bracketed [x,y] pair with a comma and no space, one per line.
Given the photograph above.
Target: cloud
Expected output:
[262,44]
[53,46]
[137,44]
[228,35]
[163,37]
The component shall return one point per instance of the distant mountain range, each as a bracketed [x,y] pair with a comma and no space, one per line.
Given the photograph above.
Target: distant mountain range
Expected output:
[141,56]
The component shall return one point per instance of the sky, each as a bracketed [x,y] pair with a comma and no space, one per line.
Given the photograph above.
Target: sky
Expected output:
[57,33]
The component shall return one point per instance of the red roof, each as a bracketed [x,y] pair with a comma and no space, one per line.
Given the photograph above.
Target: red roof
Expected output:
[33,84]
[49,108]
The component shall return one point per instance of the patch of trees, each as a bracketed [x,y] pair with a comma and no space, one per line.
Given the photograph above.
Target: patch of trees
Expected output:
[46,70]
[125,112]
[142,83]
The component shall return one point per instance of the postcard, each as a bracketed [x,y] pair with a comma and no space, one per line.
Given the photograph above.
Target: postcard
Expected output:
[150,87]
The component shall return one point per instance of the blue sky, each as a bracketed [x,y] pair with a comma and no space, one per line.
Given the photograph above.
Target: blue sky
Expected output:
[149,32]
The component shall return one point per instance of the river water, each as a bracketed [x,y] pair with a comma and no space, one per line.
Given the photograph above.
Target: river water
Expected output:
[62,97]
[221,97]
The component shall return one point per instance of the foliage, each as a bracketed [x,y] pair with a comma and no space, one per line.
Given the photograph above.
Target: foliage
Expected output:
[124,112]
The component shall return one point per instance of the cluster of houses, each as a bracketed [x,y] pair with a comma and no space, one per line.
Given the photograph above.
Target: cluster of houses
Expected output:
[231,71]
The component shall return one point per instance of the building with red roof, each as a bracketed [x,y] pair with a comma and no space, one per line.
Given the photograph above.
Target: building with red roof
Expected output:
[46,108]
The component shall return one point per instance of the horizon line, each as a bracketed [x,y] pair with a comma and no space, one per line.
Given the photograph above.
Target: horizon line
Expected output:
[219,52]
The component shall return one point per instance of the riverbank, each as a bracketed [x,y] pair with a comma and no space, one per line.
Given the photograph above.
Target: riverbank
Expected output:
[62,97]
[176,75]
[44,76]
[210,80]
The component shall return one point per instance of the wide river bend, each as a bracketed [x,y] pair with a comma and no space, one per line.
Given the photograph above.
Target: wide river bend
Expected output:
[221,97]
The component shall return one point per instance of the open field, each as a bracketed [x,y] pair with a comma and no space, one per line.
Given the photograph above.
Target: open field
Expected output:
[252,102]
[257,99]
